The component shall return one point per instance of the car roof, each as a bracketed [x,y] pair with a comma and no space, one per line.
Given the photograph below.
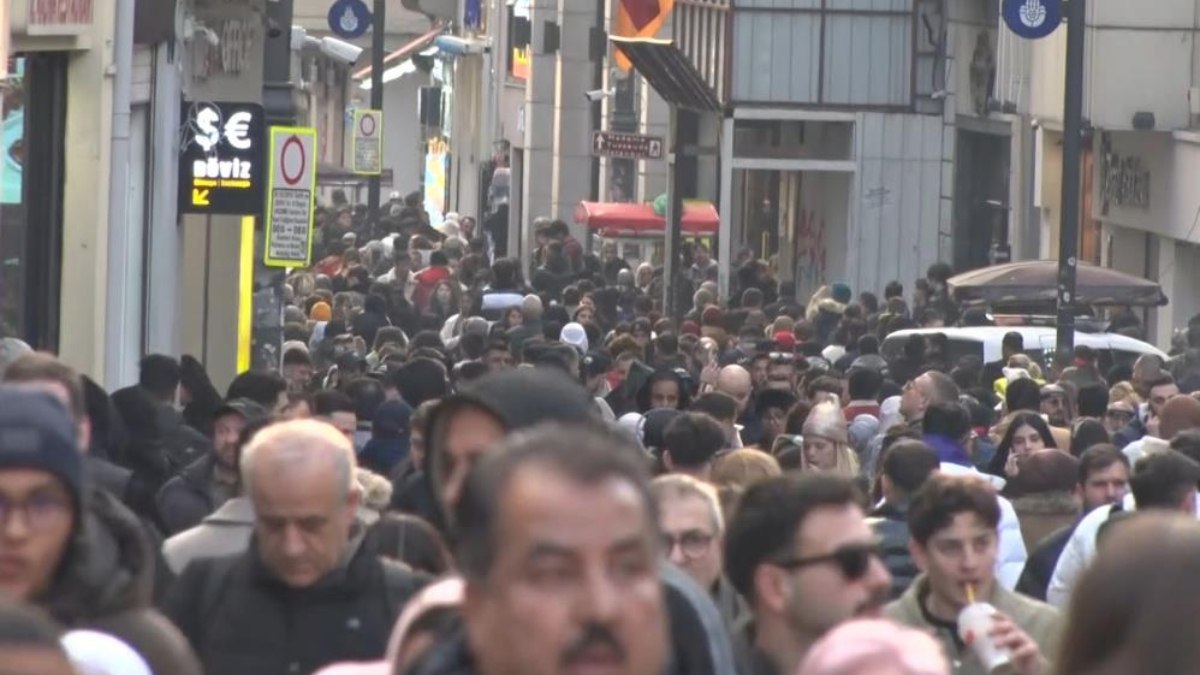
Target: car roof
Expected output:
[1035,335]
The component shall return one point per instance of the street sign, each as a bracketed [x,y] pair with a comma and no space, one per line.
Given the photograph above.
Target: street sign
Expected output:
[293,181]
[1032,19]
[367,142]
[626,146]
[349,19]
[221,159]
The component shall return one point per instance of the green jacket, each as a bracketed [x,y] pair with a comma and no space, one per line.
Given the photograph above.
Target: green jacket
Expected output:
[1039,620]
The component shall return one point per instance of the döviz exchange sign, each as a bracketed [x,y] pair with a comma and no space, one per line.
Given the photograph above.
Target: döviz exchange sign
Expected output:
[221,159]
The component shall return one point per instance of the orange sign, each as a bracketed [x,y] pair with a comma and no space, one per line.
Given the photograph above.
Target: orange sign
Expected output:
[520,62]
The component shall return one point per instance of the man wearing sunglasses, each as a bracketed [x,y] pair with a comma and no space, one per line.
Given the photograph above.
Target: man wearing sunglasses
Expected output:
[954,523]
[800,552]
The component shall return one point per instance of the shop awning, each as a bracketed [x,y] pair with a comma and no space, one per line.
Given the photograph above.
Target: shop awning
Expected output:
[404,52]
[640,220]
[670,72]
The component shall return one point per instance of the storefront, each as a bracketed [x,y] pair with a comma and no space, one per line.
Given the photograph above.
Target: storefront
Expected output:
[31,182]
[1149,211]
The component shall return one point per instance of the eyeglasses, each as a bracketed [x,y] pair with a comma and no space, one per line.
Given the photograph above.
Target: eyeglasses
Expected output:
[784,357]
[42,511]
[1119,414]
[693,543]
[853,560]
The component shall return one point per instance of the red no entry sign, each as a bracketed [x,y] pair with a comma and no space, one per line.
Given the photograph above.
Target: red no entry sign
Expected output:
[292,160]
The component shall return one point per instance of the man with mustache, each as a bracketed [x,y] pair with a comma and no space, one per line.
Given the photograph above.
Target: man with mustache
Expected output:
[799,550]
[559,550]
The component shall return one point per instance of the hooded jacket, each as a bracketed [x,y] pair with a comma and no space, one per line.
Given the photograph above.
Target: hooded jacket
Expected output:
[518,399]
[523,398]
[105,583]
[242,620]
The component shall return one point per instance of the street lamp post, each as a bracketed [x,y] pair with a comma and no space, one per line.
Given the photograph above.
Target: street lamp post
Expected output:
[1068,242]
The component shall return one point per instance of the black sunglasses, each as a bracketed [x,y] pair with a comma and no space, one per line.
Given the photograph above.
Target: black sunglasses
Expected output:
[853,560]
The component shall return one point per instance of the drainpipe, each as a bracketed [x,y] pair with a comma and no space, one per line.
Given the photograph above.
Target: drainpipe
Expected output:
[122,325]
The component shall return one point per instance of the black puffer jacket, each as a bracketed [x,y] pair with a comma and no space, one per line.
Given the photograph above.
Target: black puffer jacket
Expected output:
[105,584]
[890,524]
[187,498]
[242,620]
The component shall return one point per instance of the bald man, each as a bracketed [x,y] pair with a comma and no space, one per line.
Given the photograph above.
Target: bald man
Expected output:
[307,593]
[736,381]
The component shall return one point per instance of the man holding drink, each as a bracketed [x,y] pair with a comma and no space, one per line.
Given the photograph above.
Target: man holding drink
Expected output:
[983,627]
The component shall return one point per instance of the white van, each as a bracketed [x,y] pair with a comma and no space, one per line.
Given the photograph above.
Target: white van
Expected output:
[1040,341]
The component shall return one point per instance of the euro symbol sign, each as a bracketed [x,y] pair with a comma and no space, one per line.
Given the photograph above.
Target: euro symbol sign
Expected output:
[1033,13]
[237,130]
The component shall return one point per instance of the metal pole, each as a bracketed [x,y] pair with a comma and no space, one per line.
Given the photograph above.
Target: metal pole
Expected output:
[674,239]
[378,32]
[266,344]
[1068,242]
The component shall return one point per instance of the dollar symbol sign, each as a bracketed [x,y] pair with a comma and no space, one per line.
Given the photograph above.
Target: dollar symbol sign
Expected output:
[210,135]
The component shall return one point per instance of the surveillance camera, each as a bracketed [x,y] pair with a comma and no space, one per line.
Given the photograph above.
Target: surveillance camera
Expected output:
[597,95]
[299,38]
[459,46]
[340,50]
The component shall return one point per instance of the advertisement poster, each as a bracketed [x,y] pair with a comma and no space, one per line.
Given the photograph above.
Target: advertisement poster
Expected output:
[436,156]
[13,128]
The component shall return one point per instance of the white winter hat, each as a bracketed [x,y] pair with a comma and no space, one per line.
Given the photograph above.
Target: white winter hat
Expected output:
[95,653]
[574,335]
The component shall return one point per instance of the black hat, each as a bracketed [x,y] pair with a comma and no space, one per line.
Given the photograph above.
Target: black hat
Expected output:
[36,432]
[596,363]
[242,406]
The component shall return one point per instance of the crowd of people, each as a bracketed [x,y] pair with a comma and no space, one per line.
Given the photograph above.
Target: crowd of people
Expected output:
[467,467]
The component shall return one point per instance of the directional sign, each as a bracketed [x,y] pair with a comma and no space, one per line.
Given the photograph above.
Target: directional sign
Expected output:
[349,19]
[367,142]
[221,159]
[626,146]
[293,180]
[1033,19]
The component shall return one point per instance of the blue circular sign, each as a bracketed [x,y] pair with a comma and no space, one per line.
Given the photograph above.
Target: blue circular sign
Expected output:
[349,19]
[1033,19]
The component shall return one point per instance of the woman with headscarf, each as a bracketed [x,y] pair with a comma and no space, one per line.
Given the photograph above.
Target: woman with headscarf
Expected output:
[827,443]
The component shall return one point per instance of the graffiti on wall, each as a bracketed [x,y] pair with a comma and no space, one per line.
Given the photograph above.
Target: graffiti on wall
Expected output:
[812,251]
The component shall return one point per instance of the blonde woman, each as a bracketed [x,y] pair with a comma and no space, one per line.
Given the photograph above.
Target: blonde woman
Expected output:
[827,444]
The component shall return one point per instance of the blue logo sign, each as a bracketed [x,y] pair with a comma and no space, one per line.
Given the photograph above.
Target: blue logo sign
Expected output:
[1033,19]
[349,19]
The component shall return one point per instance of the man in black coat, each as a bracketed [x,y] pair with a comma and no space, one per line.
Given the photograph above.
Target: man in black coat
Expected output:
[309,591]
[907,464]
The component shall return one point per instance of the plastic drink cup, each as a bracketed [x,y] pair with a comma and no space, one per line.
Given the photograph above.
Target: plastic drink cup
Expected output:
[974,623]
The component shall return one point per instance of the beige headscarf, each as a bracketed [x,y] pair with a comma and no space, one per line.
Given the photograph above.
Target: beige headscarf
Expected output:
[826,420]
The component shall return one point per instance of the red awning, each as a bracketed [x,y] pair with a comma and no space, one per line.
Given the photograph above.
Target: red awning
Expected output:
[640,220]
[404,52]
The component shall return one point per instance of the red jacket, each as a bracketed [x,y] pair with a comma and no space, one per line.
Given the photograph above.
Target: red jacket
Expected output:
[427,279]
